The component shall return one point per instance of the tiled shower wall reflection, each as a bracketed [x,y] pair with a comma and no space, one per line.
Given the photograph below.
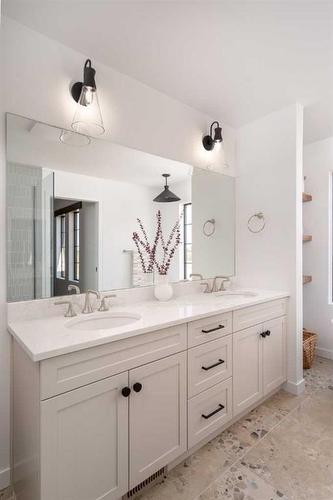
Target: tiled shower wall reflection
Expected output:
[23,196]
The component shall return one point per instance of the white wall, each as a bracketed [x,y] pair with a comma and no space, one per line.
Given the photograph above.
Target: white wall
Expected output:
[38,75]
[213,197]
[269,179]
[318,307]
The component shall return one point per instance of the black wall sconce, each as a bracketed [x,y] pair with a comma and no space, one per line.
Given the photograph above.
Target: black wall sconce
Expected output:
[88,117]
[209,141]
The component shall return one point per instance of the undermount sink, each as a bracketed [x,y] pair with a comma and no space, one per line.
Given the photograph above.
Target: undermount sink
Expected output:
[235,294]
[103,322]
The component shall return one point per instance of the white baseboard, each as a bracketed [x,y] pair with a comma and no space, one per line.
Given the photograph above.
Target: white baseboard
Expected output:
[294,388]
[4,478]
[325,353]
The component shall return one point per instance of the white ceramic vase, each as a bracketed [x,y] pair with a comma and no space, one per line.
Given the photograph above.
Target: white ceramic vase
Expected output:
[163,291]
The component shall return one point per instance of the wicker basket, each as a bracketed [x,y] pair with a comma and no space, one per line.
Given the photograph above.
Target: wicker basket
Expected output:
[309,348]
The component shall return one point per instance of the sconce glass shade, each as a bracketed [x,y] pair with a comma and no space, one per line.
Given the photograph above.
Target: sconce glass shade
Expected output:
[209,141]
[88,117]
[218,134]
[166,196]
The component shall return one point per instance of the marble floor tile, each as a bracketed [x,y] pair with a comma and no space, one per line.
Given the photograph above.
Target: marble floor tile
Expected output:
[283,402]
[320,376]
[297,459]
[231,443]
[316,413]
[189,479]
[254,426]
[239,483]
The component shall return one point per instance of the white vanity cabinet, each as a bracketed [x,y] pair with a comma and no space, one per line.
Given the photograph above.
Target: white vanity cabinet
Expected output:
[88,434]
[157,425]
[96,422]
[84,442]
[259,355]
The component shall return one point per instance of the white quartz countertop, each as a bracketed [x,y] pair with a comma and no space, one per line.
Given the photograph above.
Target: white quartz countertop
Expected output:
[47,337]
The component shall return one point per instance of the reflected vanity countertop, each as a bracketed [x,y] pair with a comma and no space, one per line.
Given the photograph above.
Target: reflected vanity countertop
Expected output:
[51,336]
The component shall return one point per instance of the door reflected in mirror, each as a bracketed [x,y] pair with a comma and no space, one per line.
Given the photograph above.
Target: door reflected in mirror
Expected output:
[73,206]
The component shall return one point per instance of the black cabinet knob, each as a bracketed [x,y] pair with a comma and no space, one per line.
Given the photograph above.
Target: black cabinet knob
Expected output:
[126,391]
[137,387]
[268,333]
[263,334]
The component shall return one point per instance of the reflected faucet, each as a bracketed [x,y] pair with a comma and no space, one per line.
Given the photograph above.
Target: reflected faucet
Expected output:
[88,308]
[74,288]
[197,275]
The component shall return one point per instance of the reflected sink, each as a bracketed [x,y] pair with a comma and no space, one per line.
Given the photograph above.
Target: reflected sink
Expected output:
[102,322]
[235,294]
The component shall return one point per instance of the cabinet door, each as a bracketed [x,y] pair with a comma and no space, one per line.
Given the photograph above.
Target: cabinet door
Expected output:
[157,415]
[84,442]
[247,368]
[274,354]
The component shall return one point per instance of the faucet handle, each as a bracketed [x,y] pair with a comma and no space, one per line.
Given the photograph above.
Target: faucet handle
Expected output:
[104,305]
[70,313]
[207,289]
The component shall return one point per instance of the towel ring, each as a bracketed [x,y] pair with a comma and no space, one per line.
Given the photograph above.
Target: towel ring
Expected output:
[259,217]
[205,228]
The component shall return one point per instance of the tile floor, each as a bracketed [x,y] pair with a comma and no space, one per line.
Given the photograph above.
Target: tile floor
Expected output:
[281,450]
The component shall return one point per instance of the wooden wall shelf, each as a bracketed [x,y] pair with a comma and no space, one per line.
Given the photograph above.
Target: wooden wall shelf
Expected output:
[307,197]
[307,279]
[307,237]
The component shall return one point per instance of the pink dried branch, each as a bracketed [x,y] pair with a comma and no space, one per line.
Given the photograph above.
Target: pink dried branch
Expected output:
[150,250]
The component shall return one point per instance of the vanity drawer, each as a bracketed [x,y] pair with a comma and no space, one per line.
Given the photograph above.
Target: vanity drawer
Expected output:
[67,372]
[209,411]
[209,364]
[206,329]
[249,316]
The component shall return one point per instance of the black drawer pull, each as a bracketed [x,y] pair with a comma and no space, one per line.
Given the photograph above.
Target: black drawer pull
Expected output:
[213,329]
[263,334]
[220,408]
[220,362]
[268,333]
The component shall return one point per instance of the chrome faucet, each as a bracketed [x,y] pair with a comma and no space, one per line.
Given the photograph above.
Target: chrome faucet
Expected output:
[223,279]
[88,308]
[104,305]
[73,288]
[70,313]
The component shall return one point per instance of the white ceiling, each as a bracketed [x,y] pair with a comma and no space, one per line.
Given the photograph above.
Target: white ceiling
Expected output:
[34,143]
[234,60]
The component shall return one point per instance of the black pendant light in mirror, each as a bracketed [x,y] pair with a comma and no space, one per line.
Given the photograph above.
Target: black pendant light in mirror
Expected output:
[166,196]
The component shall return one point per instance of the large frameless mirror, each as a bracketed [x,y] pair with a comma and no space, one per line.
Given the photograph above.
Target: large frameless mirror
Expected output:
[73,205]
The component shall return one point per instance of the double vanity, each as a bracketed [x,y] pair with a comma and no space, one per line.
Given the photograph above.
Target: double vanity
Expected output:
[107,401]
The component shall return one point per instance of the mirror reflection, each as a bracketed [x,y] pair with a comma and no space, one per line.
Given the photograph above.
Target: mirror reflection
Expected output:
[92,214]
